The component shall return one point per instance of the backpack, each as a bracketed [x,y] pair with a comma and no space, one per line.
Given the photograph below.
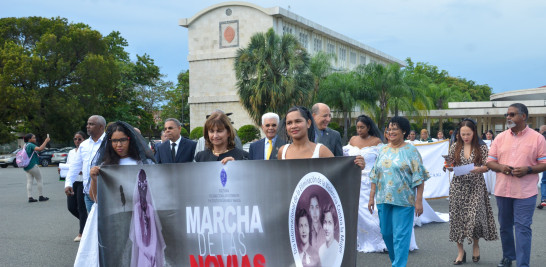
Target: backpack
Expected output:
[22,159]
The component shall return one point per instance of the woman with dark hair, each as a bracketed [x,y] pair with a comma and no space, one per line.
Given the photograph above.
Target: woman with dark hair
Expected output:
[220,141]
[298,128]
[489,135]
[399,176]
[32,170]
[308,254]
[366,144]
[76,202]
[125,146]
[470,213]
[328,252]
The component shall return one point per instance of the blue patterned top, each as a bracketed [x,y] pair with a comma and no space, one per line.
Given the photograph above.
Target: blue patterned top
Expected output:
[396,173]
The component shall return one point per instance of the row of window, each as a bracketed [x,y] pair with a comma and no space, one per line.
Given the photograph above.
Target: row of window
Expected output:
[317,46]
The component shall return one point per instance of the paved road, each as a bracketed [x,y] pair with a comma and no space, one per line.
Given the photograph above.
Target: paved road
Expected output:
[41,233]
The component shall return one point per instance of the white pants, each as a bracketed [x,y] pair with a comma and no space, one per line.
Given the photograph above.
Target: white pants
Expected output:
[32,174]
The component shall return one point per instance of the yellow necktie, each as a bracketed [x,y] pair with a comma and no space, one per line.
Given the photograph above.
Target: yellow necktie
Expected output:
[269,149]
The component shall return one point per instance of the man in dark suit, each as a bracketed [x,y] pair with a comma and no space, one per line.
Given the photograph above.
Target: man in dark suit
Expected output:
[326,136]
[267,148]
[176,149]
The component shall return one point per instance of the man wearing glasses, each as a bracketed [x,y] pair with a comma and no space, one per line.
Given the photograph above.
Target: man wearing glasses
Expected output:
[177,149]
[267,148]
[517,155]
[85,157]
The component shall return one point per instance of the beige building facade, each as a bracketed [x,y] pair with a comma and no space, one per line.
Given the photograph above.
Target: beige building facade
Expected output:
[217,32]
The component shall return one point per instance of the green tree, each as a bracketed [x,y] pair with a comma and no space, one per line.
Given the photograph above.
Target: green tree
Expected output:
[177,100]
[53,75]
[320,66]
[272,74]
[341,92]
[248,133]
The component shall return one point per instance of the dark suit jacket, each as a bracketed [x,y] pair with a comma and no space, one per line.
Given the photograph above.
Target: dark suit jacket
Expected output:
[256,150]
[185,153]
[332,140]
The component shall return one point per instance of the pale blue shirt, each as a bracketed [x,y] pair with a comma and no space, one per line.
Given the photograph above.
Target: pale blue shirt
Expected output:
[266,145]
[396,173]
[82,162]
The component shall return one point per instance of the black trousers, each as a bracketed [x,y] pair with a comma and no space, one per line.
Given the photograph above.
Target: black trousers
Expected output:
[76,204]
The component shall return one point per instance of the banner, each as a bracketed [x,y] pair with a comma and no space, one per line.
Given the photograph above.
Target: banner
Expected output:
[438,184]
[244,213]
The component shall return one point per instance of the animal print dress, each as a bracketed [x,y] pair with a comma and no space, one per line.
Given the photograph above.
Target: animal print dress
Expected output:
[470,213]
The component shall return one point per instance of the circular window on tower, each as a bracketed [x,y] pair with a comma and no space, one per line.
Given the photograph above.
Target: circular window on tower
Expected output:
[228,11]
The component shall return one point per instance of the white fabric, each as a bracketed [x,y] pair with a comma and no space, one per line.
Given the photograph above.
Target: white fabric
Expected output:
[316,152]
[65,166]
[431,153]
[88,251]
[82,162]
[127,161]
[369,238]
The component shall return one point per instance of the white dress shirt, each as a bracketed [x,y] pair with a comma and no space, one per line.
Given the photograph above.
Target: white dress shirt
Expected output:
[266,145]
[69,160]
[82,162]
[175,147]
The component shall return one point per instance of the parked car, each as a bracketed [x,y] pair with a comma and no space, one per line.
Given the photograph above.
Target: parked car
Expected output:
[61,155]
[8,159]
[46,155]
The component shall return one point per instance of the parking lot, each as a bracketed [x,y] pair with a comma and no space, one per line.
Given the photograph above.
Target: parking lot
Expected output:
[42,233]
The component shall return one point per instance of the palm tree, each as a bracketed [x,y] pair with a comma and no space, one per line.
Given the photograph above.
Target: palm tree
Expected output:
[341,92]
[272,74]
[320,67]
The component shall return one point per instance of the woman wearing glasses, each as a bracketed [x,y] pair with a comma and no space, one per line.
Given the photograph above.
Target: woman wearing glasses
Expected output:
[398,176]
[75,202]
[125,146]
[470,213]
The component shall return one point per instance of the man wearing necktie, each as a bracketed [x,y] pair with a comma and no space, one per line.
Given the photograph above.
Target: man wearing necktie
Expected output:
[267,148]
[177,149]
[326,136]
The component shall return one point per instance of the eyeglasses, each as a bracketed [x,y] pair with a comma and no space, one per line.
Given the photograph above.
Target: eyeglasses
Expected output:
[270,125]
[78,139]
[391,130]
[120,141]
[511,114]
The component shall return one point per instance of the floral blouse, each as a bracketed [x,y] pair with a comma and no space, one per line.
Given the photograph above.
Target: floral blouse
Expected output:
[396,173]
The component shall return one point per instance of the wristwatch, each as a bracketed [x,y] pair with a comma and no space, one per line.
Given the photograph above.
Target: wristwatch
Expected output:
[529,169]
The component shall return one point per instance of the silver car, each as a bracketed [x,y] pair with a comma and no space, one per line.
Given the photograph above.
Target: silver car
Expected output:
[8,159]
[61,155]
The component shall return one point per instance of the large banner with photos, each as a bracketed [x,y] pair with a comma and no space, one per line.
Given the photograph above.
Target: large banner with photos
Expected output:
[244,213]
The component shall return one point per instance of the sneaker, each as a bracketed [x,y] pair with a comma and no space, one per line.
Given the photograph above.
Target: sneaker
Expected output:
[42,198]
[31,199]
[77,239]
[540,206]
[543,203]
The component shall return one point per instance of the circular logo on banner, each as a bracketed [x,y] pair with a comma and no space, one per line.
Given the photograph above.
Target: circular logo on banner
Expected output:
[316,223]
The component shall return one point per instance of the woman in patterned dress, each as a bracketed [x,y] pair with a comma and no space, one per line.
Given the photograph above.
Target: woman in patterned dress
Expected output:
[470,214]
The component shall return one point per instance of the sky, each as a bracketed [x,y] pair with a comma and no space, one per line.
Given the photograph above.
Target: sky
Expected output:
[501,43]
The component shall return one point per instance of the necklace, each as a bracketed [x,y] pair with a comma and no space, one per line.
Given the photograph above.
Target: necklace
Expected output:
[218,153]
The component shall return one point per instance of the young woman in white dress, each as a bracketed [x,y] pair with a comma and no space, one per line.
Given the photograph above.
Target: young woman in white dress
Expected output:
[366,144]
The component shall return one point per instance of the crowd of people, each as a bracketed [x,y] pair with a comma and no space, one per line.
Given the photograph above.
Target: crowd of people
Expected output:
[392,180]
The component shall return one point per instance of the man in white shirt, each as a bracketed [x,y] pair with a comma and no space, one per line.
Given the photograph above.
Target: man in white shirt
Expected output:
[85,156]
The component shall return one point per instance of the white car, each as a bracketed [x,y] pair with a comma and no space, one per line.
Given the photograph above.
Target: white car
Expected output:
[8,159]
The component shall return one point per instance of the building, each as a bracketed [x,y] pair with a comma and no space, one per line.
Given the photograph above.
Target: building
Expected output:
[217,32]
[490,114]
